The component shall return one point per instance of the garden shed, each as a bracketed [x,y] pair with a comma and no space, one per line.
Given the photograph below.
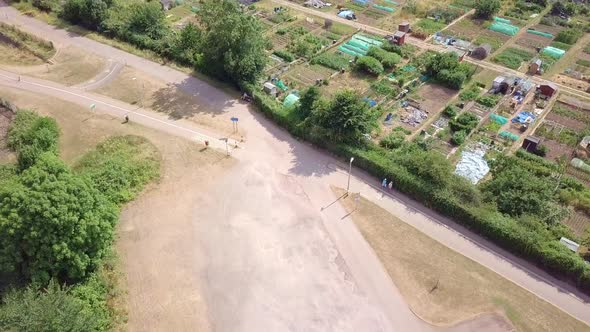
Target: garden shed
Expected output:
[270,89]
[535,66]
[531,143]
[404,26]
[548,89]
[399,38]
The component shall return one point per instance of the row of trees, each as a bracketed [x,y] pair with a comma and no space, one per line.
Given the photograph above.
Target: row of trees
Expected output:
[227,44]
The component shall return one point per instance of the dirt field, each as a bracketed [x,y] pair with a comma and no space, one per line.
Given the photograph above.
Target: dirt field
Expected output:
[156,242]
[434,98]
[444,287]
[137,88]
[557,150]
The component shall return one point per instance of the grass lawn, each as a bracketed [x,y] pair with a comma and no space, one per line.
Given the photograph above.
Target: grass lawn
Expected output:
[20,48]
[416,263]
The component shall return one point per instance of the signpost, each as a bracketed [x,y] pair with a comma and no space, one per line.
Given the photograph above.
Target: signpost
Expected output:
[234,120]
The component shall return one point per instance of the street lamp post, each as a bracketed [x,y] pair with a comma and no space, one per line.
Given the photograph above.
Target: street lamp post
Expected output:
[349,170]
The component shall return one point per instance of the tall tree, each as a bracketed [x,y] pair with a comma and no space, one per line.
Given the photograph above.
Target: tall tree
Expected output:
[347,117]
[232,41]
[53,224]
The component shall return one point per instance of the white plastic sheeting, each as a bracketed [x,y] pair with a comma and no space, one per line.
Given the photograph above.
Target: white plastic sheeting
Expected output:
[472,165]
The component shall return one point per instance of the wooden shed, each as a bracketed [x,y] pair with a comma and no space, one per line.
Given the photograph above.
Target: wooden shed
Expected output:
[548,89]
[404,26]
[535,66]
[399,38]
[531,143]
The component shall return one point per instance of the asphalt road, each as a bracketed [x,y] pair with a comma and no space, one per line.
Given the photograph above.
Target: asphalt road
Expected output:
[283,172]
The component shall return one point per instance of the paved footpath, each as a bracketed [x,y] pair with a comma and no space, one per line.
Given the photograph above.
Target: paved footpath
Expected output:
[314,171]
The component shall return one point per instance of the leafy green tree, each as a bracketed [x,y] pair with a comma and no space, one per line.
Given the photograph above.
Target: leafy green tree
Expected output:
[232,41]
[487,8]
[465,122]
[186,45]
[53,224]
[89,13]
[346,117]
[458,137]
[147,18]
[308,100]
[31,135]
[369,64]
[52,309]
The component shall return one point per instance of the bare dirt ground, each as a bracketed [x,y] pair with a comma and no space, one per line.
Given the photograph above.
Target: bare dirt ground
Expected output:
[444,287]
[70,66]
[434,97]
[156,231]
[556,150]
[137,88]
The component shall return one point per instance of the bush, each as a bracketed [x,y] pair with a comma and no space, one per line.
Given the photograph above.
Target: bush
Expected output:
[466,122]
[387,59]
[488,101]
[121,166]
[450,111]
[370,65]
[331,60]
[51,309]
[569,36]
[285,55]
[384,87]
[458,137]
[487,8]
[31,135]
[470,93]
[541,150]
[393,140]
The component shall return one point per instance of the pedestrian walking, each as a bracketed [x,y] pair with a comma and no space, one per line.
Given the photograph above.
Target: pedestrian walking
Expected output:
[126,118]
[384,183]
[390,185]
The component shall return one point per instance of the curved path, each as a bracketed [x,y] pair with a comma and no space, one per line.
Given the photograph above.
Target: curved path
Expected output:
[271,156]
[104,78]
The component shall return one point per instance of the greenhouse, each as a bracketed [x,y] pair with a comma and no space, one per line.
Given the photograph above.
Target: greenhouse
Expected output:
[290,100]
[358,45]
[498,119]
[504,28]
[540,33]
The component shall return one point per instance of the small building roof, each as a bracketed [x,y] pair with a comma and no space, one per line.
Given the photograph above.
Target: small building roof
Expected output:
[549,84]
[499,79]
[269,86]
[462,44]
[533,139]
[399,34]
[538,61]
[526,85]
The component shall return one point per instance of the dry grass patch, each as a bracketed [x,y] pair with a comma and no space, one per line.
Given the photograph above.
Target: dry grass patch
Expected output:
[444,287]
[71,66]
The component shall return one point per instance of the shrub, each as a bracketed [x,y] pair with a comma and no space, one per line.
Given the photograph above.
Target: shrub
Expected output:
[385,87]
[450,111]
[470,93]
[31,135]
[569,36]
[53,309]
[121,166]
[488,101]
[370,65]
[331,60]
[387,59]
[487,8]
[285,55]
[466,122]
[393,140]
[458,137]
[541,150]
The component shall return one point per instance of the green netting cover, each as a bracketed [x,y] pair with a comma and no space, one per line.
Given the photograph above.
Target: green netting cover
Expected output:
[392,2]
[348,51]
[498,119]
[290,100]
[357,50]
[502,20]
[384,8]
[540,33]
[359,44]
[281,85]
[553,52]
[508,135]
[504,28]
[367,40]
[408,68]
